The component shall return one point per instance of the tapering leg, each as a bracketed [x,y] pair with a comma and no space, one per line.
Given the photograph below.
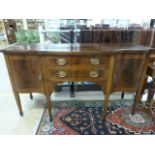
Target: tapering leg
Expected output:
[151,92]
[18,103]
[138,95]
[10,71]
[49,106]
[106,103]
[31,96]
[108,86]
[72,90]
[122,95]
[134,107]
[137,99]
[144,86]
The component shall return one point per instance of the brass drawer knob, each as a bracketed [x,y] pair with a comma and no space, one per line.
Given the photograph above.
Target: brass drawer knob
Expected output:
[94,73]
[95,61]
[61,61]
[62,74]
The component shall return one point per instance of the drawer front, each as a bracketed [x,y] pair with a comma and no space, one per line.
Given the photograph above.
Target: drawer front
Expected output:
[88,74]
[77,61]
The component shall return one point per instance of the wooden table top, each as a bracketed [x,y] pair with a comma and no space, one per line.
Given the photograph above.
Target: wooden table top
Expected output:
[76,48]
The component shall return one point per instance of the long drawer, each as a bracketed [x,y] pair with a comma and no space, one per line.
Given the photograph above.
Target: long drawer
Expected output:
[77,61]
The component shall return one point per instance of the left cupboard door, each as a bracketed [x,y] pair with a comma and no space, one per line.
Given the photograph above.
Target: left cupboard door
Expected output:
[26,72]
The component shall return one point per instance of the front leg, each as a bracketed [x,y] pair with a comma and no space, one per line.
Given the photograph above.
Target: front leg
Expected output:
[72,90]
[49,106]
[106,103]
[106,100]
[137,99]
[31,96]
[16,94]
[122,95]
[48,91]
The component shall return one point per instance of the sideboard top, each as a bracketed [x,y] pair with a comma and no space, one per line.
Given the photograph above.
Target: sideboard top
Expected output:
[76,48]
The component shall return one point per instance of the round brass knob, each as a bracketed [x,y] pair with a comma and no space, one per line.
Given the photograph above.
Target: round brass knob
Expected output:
[61,61]
[62,74]
[93,73]
[95,61]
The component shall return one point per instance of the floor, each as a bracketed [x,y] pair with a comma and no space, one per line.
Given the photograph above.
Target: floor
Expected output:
[12,124]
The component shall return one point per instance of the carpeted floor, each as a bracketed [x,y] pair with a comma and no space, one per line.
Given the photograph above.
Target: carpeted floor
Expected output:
[85,118]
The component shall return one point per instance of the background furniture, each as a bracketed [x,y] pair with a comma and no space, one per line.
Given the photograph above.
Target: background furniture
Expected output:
[32,36]
[20,37]
[10,27]
[27,36]
[3,37]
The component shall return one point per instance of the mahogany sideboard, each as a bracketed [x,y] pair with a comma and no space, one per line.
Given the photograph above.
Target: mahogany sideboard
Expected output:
[40,67]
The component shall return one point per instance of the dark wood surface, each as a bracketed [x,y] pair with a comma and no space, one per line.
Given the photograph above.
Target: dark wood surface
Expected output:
[40,67]
[69,49]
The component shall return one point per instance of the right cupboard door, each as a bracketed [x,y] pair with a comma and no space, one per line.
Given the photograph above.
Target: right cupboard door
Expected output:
[128,71]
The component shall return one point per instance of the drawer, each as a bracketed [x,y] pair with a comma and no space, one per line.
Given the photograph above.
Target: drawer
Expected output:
[89,74]
[80,61]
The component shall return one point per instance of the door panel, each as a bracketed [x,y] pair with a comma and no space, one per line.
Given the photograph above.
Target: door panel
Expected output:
[26,72]
[127,72]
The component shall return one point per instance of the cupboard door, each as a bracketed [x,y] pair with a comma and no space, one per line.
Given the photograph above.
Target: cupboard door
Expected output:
[127,72]
[26,72]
